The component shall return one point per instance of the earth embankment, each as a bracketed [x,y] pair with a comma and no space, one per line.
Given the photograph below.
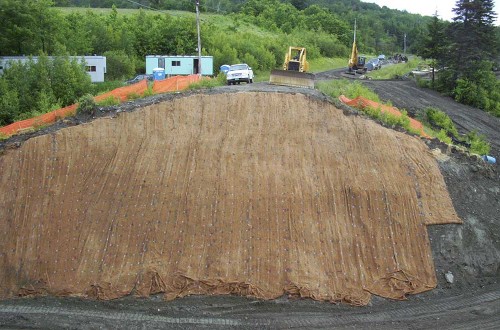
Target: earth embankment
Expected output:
[251,194]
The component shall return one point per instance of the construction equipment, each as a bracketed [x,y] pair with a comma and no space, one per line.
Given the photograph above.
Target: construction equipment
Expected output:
[294,71]
[356,62]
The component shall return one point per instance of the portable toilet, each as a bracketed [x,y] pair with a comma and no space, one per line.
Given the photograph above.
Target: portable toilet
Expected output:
[224,68]
[159,74]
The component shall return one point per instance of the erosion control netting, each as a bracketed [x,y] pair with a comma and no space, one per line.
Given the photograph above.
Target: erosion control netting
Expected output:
[255,194]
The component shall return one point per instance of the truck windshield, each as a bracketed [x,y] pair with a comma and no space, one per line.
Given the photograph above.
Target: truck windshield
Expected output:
[238,67]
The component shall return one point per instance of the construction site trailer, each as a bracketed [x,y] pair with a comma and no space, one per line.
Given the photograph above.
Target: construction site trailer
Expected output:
[180,65]
[94,65]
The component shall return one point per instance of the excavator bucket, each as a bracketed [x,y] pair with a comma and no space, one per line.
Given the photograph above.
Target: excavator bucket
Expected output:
[292,78]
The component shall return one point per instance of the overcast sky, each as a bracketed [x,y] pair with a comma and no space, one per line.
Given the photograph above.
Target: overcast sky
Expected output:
[426,7]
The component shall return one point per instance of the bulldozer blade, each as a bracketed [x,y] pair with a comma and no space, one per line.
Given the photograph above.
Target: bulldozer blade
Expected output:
[292,78]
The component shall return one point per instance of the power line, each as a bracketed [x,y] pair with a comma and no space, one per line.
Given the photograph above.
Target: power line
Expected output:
[148,7]
[207,6]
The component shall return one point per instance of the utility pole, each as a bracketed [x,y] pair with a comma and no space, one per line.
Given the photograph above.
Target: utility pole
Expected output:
[199,39]
[404,49]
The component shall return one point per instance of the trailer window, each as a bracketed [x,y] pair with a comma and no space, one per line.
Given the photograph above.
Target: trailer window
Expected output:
[176,63]
[91,68]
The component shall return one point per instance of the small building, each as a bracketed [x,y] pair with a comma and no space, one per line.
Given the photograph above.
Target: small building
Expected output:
[94,65]
[180,65]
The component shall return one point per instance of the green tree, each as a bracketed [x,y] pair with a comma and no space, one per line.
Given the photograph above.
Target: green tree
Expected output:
[434,44]
[473,47]
[16,34]
[9,103]
[472,35]
[119,65]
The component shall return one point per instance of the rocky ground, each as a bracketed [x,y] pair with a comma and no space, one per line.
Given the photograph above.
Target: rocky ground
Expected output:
[470,298]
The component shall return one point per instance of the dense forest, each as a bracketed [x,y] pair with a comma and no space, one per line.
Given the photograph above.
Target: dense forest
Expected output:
[381,29]
[253,31]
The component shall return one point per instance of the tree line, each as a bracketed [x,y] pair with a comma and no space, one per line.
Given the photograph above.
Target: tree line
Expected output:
[257,32]
[466,51]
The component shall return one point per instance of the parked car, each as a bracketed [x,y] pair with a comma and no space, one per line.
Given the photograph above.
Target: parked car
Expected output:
[373,64]
[238,73]
[138,78]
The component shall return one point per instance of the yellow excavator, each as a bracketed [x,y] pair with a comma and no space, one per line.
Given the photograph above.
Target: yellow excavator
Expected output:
[294,71]
[356,62]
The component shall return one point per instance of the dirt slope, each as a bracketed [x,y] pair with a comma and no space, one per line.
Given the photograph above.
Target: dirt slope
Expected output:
[251,194]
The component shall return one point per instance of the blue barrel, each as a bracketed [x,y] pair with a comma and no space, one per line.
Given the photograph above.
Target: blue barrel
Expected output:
[489,159]
[159,74]
[224,68]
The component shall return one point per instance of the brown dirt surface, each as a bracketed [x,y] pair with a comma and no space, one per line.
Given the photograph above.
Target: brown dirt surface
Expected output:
[251,194]
[471,252]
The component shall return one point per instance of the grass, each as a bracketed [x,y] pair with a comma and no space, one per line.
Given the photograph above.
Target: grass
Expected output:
[441,126]
[133,96]
[220,80]
[325,64]
[109,101]
[394,71]
[107,86]
[351,89]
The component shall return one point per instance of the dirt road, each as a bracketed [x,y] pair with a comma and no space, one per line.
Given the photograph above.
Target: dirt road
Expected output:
[471,252]
[478,310]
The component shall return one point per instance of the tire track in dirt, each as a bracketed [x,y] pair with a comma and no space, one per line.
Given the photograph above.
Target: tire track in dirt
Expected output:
[465,311]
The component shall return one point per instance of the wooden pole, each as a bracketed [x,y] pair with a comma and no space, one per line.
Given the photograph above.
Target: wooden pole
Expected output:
[199,39]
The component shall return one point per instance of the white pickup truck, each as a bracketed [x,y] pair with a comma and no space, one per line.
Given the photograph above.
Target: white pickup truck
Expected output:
[238,73]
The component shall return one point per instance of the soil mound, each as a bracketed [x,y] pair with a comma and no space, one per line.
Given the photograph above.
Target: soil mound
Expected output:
[256,194]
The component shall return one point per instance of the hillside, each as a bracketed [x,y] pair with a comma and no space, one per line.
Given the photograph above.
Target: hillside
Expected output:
[255,194]
[254,190]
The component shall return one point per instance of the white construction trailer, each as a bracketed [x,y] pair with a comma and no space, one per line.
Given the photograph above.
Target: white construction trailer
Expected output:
[94,65]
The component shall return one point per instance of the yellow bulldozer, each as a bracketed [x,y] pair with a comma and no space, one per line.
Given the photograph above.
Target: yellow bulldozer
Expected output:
[294,71]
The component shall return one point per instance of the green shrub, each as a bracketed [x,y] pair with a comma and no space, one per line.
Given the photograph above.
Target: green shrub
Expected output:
[133,96]
[423,83]
[478,143]
[220,80]
[351,89]
[148,92]
[103,87]
[441,120]
[119,65]
[404,121]
[109,101]
[375,113]
[443,136]
[86,105]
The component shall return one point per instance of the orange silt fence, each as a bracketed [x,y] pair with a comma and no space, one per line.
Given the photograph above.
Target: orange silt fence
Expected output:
[174,84]
[122,93]
[361,103]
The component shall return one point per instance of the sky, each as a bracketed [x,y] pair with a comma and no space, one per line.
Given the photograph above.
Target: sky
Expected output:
[427,7]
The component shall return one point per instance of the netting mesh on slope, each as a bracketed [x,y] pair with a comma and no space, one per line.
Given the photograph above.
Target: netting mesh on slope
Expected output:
[251,194]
